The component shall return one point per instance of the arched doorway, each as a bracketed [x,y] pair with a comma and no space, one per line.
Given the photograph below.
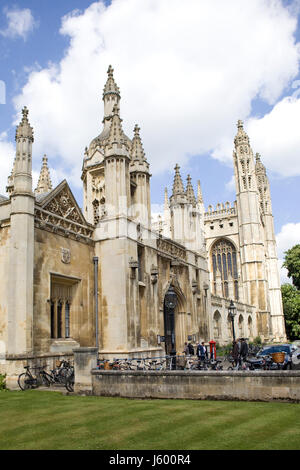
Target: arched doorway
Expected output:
[170,303]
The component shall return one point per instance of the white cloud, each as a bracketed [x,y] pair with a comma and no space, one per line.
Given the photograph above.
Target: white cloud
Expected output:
[20,22]
[276,137]
[187,71]
[230,185]
[286,239]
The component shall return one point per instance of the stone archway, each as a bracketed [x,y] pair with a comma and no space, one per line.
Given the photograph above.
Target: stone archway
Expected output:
[175,319]
[217,325]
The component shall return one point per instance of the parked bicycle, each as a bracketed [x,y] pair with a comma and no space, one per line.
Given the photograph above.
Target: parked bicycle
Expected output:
[27,380]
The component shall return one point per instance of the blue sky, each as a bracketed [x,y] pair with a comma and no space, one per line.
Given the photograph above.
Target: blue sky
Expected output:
[187,72]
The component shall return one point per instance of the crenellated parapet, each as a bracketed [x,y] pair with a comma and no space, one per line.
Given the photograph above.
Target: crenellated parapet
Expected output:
[222,210]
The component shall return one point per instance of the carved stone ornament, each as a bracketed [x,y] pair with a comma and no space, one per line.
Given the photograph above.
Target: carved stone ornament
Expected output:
[65,255]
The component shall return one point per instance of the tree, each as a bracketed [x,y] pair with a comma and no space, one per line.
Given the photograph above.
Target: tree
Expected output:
[292,264]
[291,309]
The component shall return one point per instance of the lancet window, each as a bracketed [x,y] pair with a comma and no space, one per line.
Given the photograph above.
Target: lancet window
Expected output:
[224,267]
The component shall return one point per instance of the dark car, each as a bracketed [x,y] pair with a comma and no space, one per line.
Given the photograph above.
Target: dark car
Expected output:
[288,349]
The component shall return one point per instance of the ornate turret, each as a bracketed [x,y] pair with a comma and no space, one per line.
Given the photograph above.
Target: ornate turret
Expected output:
[140,179]
[44,183]
[244,161]
[111,98]
[241,137]
[22,172]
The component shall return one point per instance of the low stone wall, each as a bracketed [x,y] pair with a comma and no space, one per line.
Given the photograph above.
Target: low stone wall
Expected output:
[12,366]
[198,385]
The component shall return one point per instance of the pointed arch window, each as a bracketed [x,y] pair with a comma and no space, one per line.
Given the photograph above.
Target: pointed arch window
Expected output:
[224,267]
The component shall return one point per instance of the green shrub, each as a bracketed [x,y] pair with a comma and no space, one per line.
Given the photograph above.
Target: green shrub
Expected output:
[257,341]
[2,381]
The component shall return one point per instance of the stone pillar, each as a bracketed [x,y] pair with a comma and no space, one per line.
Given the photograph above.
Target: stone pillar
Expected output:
[85,359]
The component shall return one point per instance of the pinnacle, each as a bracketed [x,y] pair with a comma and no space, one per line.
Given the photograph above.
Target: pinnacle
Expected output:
[137,151]
[199,193]
[259,166]
[190,192]
[24,129]
[177,185]
[111,86]
[116,134]
[241,137]
[44,183]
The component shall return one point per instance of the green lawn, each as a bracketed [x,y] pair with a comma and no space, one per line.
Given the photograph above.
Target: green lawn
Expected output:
[50,420]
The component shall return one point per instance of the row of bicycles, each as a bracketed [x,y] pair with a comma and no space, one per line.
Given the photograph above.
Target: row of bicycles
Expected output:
[255,363]
[161,363]
[186,362]
[34,377]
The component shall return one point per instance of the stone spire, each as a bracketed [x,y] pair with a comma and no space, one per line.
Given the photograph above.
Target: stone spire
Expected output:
[199,193]
[138,159]
[110,85]
[116,134]
[137,151]
[178,188]
[44,183]
[263,186]
[260,169]
[190,192]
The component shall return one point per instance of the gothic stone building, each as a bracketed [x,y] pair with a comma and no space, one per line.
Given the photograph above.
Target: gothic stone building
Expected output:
[99,277]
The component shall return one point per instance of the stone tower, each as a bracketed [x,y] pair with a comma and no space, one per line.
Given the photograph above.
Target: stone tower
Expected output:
[94,167]
[251,234]
[186,220]
[20,275]
[265,206]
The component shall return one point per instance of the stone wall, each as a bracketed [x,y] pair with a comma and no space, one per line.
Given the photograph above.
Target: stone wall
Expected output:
[199,385]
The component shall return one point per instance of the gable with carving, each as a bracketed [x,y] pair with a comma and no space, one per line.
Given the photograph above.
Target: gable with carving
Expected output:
[59,212]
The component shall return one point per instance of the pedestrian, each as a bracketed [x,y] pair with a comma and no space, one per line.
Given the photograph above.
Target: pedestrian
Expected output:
[186,349]
[204,354]
[244,349]
[235,353]
[191,349]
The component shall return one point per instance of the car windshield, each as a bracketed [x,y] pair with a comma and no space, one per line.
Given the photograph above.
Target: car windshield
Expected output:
[274,349]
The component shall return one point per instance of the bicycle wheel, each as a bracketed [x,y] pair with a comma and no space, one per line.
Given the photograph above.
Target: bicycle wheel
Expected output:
[24,381]
[45,380]
[70,384]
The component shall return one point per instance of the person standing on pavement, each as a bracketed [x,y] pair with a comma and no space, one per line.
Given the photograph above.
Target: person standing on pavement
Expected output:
[244,349]
[235,353]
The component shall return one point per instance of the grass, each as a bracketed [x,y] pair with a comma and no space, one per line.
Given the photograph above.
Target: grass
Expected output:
[50,420]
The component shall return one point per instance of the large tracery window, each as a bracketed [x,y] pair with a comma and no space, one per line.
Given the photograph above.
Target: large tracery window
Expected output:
[224,266]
